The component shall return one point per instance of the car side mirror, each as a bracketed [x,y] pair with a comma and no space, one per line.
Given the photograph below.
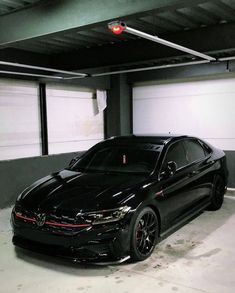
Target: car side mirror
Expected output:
[169,171]
[171,168]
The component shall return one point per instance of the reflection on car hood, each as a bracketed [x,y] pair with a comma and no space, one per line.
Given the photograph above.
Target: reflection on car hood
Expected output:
[74,191]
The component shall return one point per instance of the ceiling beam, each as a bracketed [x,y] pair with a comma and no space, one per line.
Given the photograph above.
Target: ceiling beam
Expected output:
[54,16]
[207,39]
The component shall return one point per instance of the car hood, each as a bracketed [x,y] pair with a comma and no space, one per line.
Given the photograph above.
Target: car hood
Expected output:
[73,191]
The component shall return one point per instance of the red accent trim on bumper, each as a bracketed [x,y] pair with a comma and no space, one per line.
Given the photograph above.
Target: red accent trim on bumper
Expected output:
[20,216]
[67,225]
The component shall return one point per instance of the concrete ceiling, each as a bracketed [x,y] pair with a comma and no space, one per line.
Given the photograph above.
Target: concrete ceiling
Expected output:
[73,34]
[9,6]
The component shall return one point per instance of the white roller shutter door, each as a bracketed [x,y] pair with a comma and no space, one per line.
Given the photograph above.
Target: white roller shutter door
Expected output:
[204,108]
[19,119]
[74,123]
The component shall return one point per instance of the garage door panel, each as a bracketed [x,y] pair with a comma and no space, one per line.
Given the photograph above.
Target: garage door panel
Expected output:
[73,123]
[202,108]
[19,130]
[194,88]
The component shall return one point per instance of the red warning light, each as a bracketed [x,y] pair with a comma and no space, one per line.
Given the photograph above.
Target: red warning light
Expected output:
[117,27]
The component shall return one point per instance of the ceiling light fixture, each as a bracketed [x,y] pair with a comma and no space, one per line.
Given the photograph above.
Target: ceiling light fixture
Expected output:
[117,27]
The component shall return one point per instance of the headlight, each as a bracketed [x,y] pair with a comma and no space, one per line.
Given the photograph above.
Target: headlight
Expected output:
[105,216]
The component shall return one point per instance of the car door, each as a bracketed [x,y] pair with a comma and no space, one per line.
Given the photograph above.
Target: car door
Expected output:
[199,170]
[176,190]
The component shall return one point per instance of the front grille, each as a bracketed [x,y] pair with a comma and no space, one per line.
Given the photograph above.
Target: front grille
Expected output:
[52,222]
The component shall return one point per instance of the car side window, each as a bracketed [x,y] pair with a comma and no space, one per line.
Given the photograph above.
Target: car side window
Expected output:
[176,153]
[194,151]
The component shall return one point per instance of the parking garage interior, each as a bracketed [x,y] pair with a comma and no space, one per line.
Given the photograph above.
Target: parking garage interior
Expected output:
[68,81]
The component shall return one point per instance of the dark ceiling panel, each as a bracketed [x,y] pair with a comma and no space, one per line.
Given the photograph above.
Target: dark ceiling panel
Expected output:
[93,37]
[184,21]
[230,3]
[57,16]
[202,39]
[146,26]
[9,6]
[199,14]
[188,22]
[192,23]
[167,18]
[220,10]
[161,23]
[78,41]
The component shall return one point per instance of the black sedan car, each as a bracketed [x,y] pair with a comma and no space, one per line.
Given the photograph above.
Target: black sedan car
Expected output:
[120,198]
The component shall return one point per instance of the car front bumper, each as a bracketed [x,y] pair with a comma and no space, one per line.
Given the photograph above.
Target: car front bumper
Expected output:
[101,243]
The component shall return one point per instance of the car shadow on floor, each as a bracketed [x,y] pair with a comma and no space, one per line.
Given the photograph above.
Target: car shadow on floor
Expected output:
[179,244]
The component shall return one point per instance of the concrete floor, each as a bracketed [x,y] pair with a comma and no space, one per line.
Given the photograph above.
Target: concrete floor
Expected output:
[199,257]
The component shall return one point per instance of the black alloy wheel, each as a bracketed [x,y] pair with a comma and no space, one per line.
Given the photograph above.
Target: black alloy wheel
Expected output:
[217,193]
[144,234]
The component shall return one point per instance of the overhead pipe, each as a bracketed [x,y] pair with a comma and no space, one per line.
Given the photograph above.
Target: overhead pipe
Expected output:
[43,69]
[157,67]
[30,74]
[150,68]
[117,27]
[110,72]
[227,58]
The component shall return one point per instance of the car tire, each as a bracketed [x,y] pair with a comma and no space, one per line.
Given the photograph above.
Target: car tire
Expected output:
[218,192]
[144,234]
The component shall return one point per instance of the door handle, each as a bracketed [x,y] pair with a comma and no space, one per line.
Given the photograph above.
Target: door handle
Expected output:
[210,162]
[193,173]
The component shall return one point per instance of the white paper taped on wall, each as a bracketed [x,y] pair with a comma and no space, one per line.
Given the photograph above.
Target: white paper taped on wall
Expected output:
[101,100]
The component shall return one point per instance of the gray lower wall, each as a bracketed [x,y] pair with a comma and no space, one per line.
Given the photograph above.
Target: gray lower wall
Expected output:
[16,175]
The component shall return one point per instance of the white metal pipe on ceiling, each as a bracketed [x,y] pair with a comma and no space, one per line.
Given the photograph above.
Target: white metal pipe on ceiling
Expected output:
[43,68]
[227,58]
[30,74]
[156,39]
[151,68]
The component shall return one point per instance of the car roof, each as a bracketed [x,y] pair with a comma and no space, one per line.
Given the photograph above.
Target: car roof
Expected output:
[160,139]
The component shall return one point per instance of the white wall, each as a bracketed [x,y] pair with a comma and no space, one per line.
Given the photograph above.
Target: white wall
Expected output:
[74,123]
[202,108]
[19,119]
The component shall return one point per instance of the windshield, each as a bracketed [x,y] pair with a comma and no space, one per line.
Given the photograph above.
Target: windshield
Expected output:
[118,159]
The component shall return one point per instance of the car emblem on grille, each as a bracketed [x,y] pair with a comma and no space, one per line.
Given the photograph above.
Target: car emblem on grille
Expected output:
[40,219]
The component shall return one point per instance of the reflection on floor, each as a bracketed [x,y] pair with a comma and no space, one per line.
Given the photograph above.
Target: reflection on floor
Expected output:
[197,258]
